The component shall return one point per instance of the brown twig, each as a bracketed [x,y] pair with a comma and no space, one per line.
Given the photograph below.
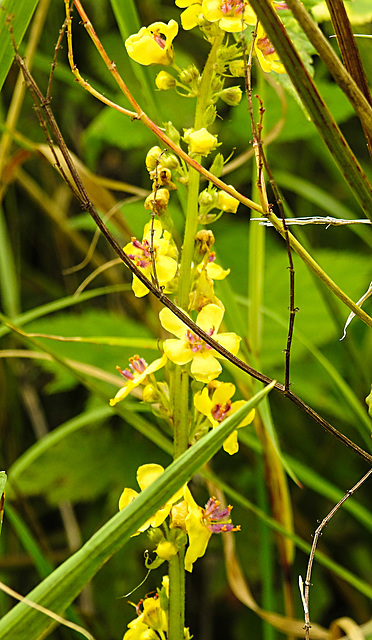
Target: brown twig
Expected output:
[305,593]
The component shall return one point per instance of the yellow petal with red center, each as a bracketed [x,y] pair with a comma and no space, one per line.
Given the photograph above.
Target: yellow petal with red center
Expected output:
[205,367]
[178,351]
[210,317]
[171,323]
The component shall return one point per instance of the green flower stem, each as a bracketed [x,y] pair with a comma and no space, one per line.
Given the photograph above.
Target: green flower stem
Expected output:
[202,103]
[181,375]
[181,411]
[177,596]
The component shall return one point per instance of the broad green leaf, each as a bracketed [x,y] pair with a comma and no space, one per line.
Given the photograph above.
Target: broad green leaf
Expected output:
[22,11]
[60,588]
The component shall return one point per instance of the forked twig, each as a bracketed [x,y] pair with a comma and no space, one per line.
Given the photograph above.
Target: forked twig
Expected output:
[305,586]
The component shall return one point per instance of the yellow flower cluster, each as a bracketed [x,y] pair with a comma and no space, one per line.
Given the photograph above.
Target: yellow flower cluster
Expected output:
[198,523]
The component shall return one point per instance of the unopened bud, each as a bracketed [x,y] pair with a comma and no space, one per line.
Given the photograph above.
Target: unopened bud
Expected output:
[231,95]
[165,81]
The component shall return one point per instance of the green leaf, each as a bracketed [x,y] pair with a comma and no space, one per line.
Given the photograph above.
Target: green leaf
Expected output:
[60,588]
[22,11]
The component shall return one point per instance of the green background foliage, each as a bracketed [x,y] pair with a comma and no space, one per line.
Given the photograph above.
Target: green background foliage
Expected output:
[67,453]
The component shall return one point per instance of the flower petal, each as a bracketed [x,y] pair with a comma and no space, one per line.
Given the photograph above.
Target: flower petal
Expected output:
[231,444]
[148,473]
[231,342]
[210,316]
[172,323]
[202,402]
[178,351]
[205,367]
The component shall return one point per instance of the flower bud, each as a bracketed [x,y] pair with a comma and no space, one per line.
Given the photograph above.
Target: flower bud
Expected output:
[165,81]
[204,240]
[166,550]
[157,201]
[152,158]
[179,513]
[201,142]
[150,394]
[231,95]
[207,199]
[237,68]
[226,202]
[172,133]
[189,74]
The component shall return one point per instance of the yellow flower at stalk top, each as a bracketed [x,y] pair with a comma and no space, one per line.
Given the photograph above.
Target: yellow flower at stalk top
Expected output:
[267,56]
[231,15]
[136,375]
[153,44]
[191,15]
[190,348]
[140,253]
[146,475]
[201,523]
[217,406]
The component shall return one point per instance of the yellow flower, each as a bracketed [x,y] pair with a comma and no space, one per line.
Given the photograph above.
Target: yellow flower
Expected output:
[201,141]
[139,252]
[231,15]
[267,56]
[217,406]
[226,202]
[135,375]
[192,13]
[153,44]
[146,475]
[201,523]
[190,348]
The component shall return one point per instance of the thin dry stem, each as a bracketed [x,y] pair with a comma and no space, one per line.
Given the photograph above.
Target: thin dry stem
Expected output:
[307,584]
